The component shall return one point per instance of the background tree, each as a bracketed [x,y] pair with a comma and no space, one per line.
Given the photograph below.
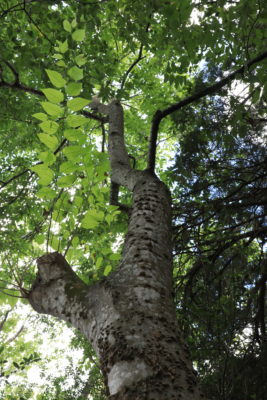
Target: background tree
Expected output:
[55,182]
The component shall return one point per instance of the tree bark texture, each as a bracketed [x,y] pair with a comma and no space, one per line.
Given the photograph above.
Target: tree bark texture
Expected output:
[129,317]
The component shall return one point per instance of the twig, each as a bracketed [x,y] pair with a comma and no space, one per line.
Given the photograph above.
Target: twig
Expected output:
[36,26]
[127,73]
[64,141]
[4,320]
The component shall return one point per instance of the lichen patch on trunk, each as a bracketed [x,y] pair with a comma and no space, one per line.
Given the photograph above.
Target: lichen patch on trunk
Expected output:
[124,373]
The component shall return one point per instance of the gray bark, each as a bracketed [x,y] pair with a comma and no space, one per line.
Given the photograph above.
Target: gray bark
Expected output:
[129,317]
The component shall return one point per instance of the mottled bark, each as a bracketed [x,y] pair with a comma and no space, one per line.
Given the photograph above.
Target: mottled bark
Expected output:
[129,317]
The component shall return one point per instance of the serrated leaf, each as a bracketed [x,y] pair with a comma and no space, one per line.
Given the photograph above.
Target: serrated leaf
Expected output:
[49,126]
[78,35]
[53,95]
[44,172]
[67,25]
[80,60]
[66,181]
[76,120]
[77,104]
[55,78]
[75,73]
[40,116]
[52,109]
[50,141]
[74,88]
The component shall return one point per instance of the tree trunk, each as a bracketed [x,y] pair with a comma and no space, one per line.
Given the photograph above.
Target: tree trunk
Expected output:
[129,317]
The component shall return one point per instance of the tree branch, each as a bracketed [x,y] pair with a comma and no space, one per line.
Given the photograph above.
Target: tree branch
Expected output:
[2,323]
[159,115]
[17,85]
[139,58]
[58,291]
[3,184]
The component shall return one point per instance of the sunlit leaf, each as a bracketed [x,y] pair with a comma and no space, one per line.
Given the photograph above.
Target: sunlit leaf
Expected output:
[55,78]
[52,109]
[53,95]
[74,88]
[78,35]
[75,73]
[67,25]
[49,126]
[76,120]
[49,141]
[77,104]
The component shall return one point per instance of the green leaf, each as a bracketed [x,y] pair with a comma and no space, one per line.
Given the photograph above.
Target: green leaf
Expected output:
[75,73]
[53,95]
[44,172]
[66,181]
[47,157]
[63,46]
[52,109]
[80,60]
[68,167]
[78,35]
[57,56]
[75,241]
[55,78]
[49,126]
[76,120]
[107,270]
[40,239]
[92,218]
[74,88]
[77,104]
[74,134]
[115,257]
[55,243]
[46,193]
[99,262]
[74,23]
[74,152]
[67,25]
[40,116]
[89,222]
[61,63]
[50,141]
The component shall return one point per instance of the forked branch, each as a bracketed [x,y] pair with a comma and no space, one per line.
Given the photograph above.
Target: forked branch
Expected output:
[159,115]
